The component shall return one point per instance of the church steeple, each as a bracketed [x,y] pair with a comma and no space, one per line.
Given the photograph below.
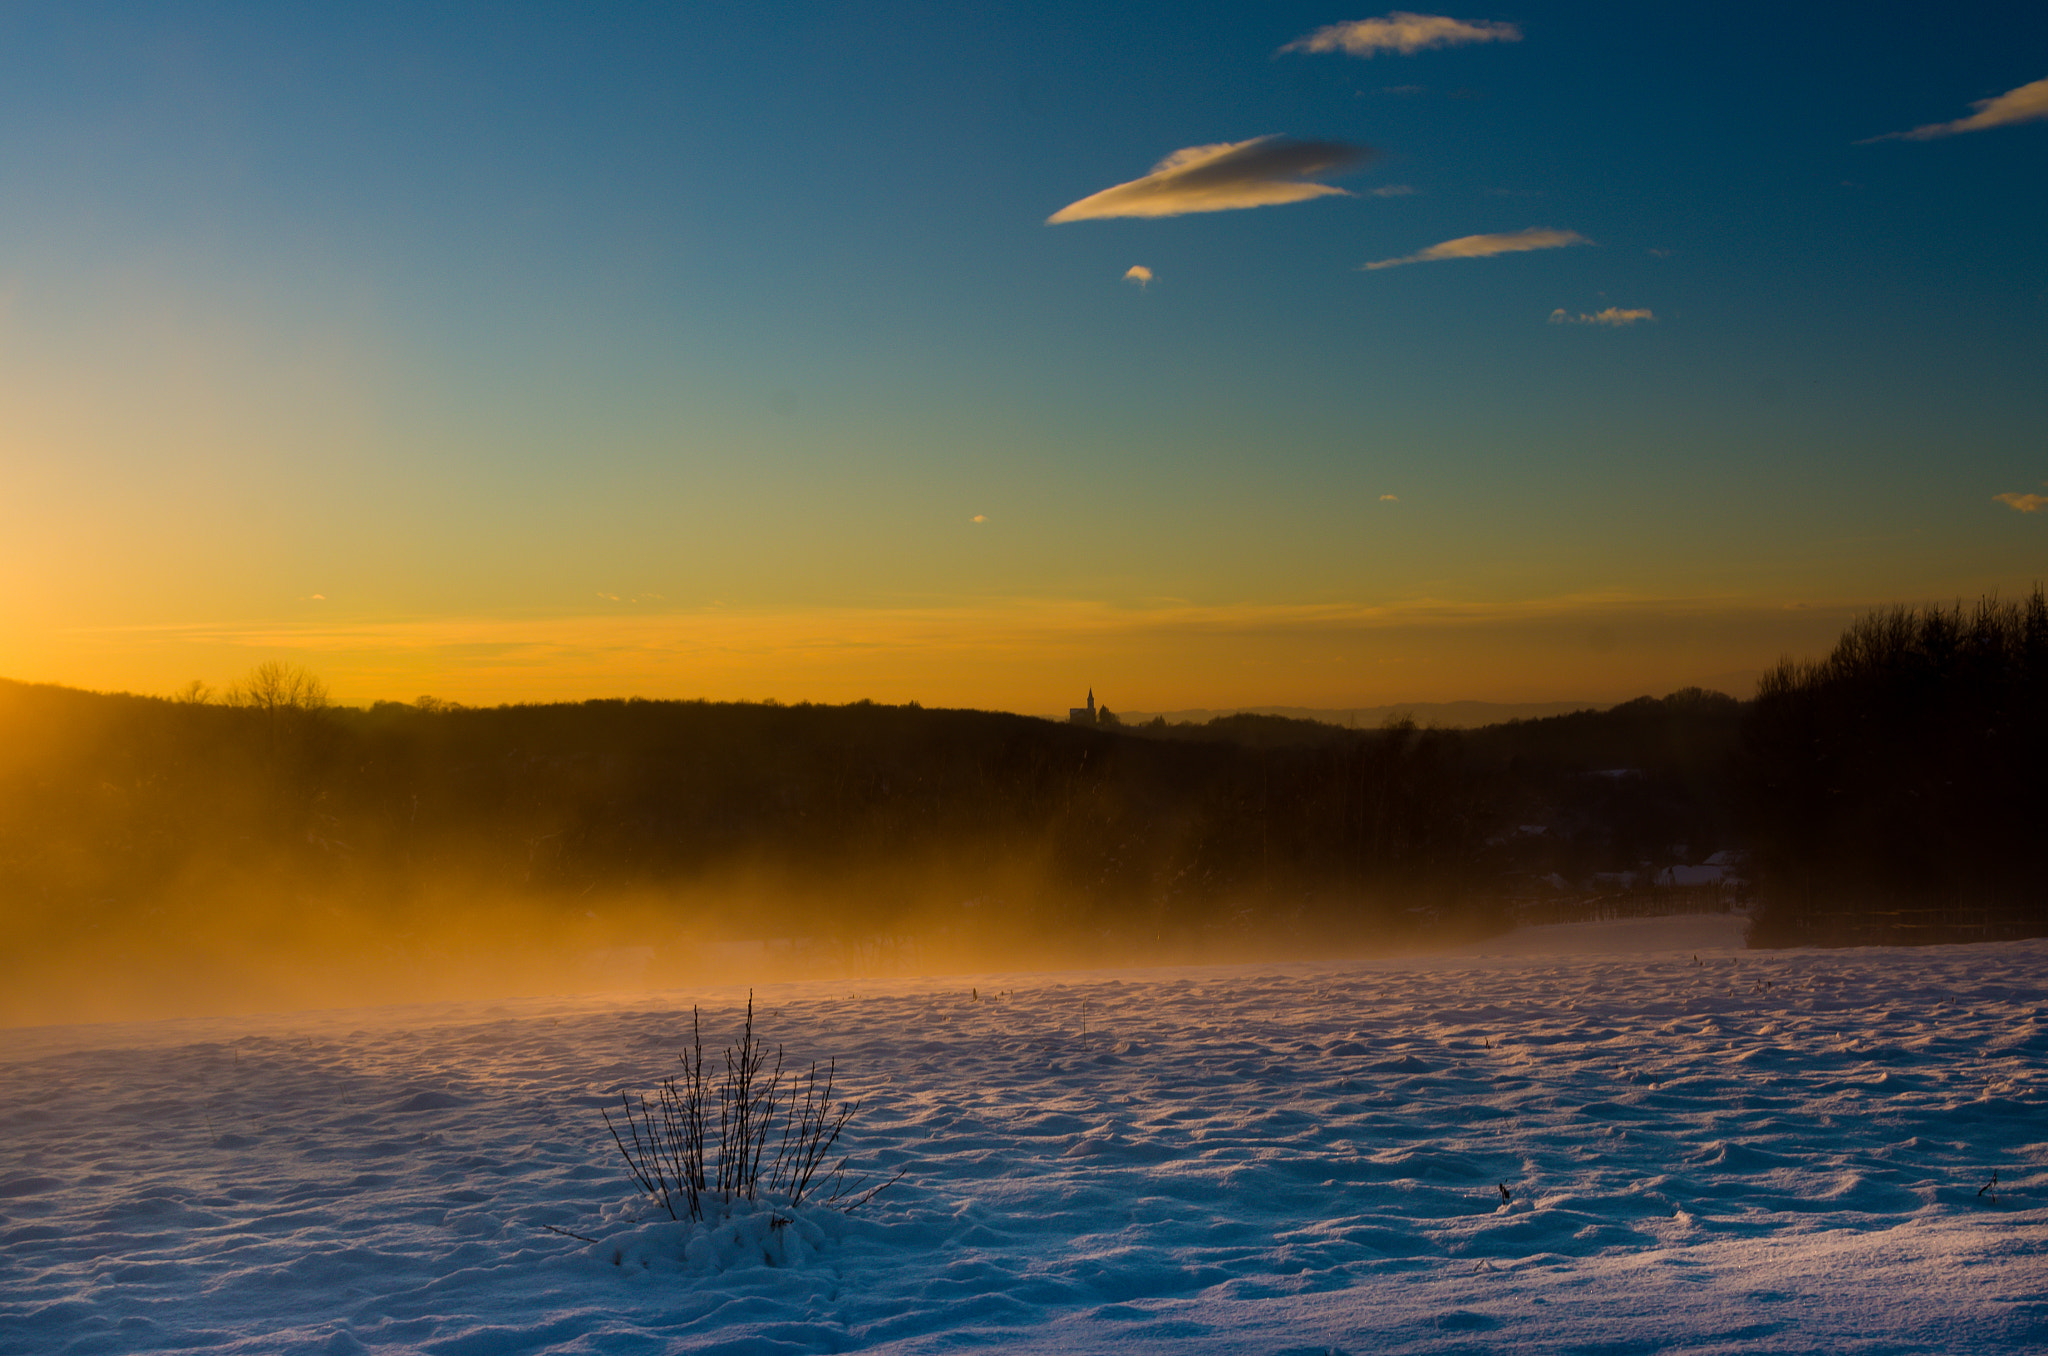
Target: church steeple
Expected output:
[1083,715]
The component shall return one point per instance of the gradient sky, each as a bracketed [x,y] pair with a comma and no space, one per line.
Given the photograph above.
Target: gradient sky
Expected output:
[515,352]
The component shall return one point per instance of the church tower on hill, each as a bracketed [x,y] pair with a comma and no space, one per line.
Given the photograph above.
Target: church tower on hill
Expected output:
[1083,715]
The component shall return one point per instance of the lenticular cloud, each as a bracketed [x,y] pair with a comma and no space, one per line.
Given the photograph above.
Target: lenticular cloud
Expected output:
[1484,246]
[1404,33]
[2028,103]
[1616,316]
[1229,175]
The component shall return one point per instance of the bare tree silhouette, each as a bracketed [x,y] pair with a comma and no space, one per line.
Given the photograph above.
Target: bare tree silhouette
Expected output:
[277,686]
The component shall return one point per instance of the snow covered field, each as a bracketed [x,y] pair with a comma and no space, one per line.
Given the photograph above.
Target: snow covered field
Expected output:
[1762,1152]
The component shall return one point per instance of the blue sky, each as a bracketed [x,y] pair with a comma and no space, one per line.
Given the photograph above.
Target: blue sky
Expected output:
[510,352]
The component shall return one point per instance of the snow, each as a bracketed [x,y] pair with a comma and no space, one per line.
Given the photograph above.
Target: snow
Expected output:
[1691,875]
[1759,1152]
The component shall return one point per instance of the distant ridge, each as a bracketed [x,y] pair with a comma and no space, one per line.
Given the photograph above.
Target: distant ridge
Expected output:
[1445,715]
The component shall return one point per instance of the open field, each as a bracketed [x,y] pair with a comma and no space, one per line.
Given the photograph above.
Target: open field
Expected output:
[1759,1152]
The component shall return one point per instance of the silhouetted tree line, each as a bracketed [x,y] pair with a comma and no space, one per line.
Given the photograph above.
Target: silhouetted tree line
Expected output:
[1633,790]
[1902,772]
[855,819]
[1898,789]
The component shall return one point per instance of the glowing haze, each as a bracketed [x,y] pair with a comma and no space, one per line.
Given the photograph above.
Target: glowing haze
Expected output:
[519,354]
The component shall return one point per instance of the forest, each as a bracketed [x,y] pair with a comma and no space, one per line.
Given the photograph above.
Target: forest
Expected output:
[1889,792]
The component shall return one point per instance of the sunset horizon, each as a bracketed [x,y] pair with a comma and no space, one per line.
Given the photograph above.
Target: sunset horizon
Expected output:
[1021,657]
[1277,358]
[1047,677]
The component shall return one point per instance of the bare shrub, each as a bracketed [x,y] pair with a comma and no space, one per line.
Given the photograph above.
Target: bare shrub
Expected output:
[670,1151]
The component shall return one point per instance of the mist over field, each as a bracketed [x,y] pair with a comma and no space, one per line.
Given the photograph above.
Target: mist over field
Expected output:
[421,1027]
[179,857]
[271,851]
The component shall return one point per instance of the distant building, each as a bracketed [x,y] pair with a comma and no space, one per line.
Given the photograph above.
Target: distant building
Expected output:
[1083,715]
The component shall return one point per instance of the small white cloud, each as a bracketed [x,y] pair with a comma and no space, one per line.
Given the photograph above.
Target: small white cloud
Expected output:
[979,518]
[1390,499]
[2028,103]
[1229,175]
[1404,33]
[1616,316]
[1393,191]
[1485,246]
[1138,274]
[2025,503]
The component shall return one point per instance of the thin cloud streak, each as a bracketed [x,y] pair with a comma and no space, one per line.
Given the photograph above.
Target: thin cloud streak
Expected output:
[2028,103]
[1224,177]
[1404,33]
[1613,315]
[943,626]
[1486,246]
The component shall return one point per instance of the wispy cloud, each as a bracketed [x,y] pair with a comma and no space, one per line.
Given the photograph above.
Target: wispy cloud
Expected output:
[979,518]
[2025,503]
[1390,499]
[1613,315]
[1485,246]
[1138,274]
[2028,103]
[1404,33]
[1224,177]
[1394,191]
